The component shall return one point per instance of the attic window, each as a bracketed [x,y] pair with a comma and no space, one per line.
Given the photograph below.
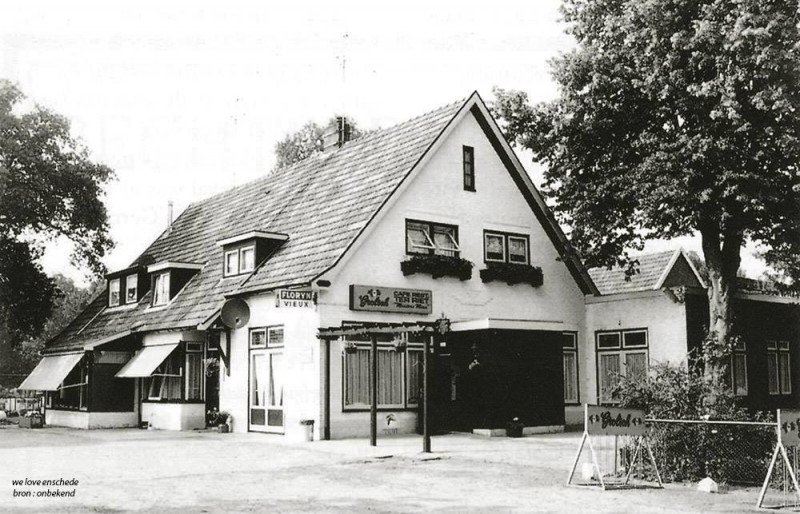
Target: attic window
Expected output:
[131,289]
[240,260]
[469,168]
[113,292]
[161,289]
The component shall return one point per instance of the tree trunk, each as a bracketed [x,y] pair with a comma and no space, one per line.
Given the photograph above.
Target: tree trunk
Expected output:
[722,254]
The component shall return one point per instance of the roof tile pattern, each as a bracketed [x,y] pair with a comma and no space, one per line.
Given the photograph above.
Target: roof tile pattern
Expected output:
[322,203]
[613,281]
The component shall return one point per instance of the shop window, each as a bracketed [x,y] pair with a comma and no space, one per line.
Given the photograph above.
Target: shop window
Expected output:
[399,373]
[622,353]
[113,292]
[73,392]
[431,238]
[258,338]
[240,260]
[161,289]
[738,371]
[779,367]
[570,353]
[165,382]
[469,168]
[131,289]
[505,247]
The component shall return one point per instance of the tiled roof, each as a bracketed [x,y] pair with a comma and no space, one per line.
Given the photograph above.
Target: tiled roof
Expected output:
[322,202]
[651,267]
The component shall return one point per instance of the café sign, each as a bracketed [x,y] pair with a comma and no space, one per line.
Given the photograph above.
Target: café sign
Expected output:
[390,299]
[614,421]
[295,298]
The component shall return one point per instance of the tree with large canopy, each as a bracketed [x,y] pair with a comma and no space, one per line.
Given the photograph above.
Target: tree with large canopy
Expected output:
[49,188]
[674,118]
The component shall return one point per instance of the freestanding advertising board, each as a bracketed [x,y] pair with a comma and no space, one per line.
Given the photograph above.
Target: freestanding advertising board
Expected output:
[613,421]
[788,431]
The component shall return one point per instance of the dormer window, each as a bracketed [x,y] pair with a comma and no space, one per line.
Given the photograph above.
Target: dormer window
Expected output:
[161,289]
[113,292]
[231,263]
[240,260]
[131,289]
[241,253]
[127,286]
[169,278]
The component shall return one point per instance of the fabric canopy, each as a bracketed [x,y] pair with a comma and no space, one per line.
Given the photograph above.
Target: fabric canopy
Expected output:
[146,361]
[50,372]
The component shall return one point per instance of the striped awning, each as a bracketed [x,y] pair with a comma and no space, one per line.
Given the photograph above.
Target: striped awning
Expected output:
[146,361]
[50,372]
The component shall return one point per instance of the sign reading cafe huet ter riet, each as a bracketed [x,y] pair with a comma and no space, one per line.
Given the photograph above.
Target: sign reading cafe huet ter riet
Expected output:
[614,421]
[390,299]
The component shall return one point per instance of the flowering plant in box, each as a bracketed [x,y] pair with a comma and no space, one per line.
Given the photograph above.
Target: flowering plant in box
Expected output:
[438,266]
[512,273]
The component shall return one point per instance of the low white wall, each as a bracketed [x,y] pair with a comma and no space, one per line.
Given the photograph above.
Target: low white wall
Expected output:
[113,419]
[174,416]
[86,420]
[66,418]
[573,415]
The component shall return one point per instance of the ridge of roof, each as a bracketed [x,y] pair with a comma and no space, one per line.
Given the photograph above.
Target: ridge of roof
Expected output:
[322,202]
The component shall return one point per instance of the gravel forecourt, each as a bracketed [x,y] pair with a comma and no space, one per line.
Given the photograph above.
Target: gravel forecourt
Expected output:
[129,470]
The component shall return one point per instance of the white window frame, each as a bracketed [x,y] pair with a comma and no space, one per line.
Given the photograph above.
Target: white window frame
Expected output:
[231,270]
[501,237]
[621,351]
[424,228]
[160,280]
[262,331]
[242,250]
[571,347]
[134,280]
[114,287]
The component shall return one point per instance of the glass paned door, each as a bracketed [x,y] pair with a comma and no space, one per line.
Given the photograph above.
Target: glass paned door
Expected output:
[266,391]
[259,361]
[275,403]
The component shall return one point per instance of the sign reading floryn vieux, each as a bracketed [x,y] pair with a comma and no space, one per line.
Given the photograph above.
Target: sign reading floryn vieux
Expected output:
[294,298]
[390,299]
[614,421]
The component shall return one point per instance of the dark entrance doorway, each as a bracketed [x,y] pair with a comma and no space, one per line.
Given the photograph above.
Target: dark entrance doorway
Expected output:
[485,378]
[212,369]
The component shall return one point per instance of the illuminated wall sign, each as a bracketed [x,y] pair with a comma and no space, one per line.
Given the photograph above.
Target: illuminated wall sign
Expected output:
[390,299]
[614,421]
[294,298]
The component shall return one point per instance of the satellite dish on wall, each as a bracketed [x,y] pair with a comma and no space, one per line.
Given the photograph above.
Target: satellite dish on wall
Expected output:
[235,313]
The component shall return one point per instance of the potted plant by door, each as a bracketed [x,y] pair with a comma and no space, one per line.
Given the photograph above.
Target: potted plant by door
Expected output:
[514,428]
[224,422]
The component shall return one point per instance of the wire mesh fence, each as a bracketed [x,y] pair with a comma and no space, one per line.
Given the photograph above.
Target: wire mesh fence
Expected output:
[728,452]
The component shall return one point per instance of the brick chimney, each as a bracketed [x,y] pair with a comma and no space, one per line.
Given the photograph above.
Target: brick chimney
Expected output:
[338,137]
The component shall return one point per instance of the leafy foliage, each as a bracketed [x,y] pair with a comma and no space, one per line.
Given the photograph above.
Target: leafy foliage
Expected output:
[438,266]
[674,117]
[68,300]
[307,141]
[49,188]
[512,273]
[694,451]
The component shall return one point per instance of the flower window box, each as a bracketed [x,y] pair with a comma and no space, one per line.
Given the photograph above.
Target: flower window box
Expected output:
[512,273]
[438,266]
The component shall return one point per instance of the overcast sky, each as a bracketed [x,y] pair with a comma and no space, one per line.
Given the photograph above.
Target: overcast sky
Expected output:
[185,99]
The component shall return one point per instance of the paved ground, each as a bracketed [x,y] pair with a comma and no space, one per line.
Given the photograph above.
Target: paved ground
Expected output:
[153,471]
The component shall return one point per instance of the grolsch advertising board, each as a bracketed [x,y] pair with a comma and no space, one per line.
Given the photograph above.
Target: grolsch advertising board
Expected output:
[614,421]
[789,427]
[390,299]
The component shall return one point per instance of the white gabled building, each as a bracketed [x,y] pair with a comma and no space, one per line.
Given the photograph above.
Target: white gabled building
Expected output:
[433,217]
